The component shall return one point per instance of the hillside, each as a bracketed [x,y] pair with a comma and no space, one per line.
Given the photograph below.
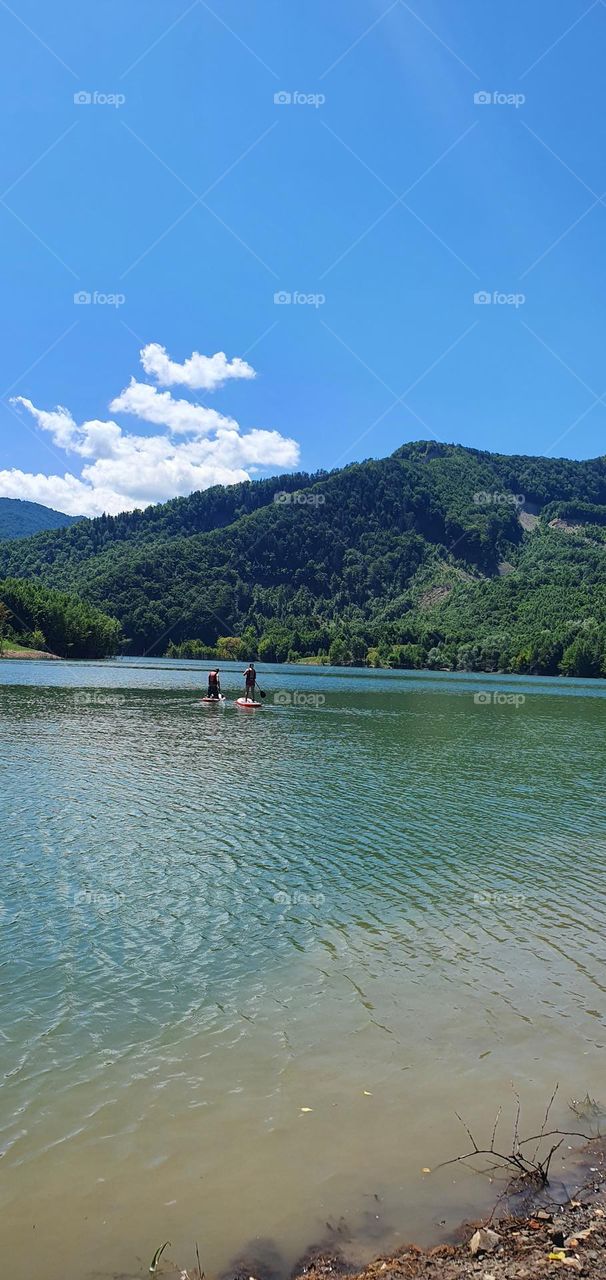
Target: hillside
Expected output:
[437,556]
[35,617]
[20,519]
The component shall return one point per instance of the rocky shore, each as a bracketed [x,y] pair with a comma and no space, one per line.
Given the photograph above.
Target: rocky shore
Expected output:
[551,1239]
[567,1241]
[28,655]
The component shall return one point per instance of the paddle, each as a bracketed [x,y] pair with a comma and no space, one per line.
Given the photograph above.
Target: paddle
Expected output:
[260,691]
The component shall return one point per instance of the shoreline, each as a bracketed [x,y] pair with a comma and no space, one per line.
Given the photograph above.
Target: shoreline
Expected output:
[570,1240]
[316,664]
[549,1237]
[29,655]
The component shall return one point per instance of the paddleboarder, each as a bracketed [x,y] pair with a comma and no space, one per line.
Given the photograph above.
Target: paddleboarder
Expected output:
[214,684]
[250,677]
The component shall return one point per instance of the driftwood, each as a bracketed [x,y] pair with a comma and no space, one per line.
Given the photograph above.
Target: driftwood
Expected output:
[528,1168]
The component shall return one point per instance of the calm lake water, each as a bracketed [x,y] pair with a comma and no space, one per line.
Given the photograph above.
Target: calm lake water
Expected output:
[252,963]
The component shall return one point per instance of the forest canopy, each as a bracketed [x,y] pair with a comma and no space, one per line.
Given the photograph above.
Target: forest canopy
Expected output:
[34,616]
[438,556]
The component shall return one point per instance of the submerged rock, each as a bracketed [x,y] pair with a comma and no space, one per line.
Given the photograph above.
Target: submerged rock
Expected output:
[321,1261]
[261,1260]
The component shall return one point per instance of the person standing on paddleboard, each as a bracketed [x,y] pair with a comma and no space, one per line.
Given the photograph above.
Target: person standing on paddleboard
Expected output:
[250,677]
[214,684]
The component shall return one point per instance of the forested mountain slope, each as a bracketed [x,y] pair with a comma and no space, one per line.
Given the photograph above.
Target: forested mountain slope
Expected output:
[33,616]
[20,519]
[438,555]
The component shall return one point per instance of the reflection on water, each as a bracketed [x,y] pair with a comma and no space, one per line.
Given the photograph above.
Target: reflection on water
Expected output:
[251,964]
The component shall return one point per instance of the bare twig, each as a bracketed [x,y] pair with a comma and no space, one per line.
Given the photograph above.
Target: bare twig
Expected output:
[529,1169]
[546,1117]
[544,1166]
[589,1110]
[468,1132]
[553,1133]
[494,1132]
[517,1119]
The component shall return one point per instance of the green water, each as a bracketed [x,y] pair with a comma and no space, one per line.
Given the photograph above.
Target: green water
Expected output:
[252,963]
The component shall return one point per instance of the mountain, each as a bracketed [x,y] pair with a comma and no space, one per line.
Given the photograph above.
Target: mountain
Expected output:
[19,519]
[437,556]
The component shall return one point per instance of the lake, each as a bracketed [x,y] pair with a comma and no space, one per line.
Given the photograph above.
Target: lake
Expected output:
[253,963]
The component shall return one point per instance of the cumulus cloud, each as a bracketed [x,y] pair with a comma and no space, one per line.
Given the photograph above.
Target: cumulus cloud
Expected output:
[121,470]
[65,493]
[198,372]
[58,422]
[160,408]
[91,440]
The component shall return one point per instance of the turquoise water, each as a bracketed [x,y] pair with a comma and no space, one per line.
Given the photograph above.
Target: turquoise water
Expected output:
[252,963]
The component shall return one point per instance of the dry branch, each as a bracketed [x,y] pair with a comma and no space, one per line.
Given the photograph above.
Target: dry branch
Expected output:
[527,1168]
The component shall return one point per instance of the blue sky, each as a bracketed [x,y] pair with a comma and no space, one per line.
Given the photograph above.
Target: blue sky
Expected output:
[380,198]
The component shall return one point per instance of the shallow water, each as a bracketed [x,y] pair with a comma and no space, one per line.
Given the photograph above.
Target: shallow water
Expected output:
[252,963]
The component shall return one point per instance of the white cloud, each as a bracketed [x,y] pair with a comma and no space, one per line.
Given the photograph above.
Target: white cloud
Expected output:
[257,449]
[58,422]
[99,439]
[65,493]
[197,372]
[160,408]
[122,470]
[92,440]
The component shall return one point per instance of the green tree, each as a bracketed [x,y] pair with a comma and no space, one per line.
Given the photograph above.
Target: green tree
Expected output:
[407,656]
[5,615]
[339,654]
[585,656]
[425,548]
[231,648]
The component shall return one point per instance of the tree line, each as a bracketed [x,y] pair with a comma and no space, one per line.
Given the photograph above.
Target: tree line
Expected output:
[438,556]
[33,616]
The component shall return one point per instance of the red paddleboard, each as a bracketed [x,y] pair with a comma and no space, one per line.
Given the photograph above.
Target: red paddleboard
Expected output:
[247,704]
[214,701]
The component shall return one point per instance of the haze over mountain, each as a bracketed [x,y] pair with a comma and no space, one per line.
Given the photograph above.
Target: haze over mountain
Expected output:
[438,555]
[21,519]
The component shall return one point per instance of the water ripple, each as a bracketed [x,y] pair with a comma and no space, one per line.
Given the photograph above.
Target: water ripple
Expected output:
[387,904]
